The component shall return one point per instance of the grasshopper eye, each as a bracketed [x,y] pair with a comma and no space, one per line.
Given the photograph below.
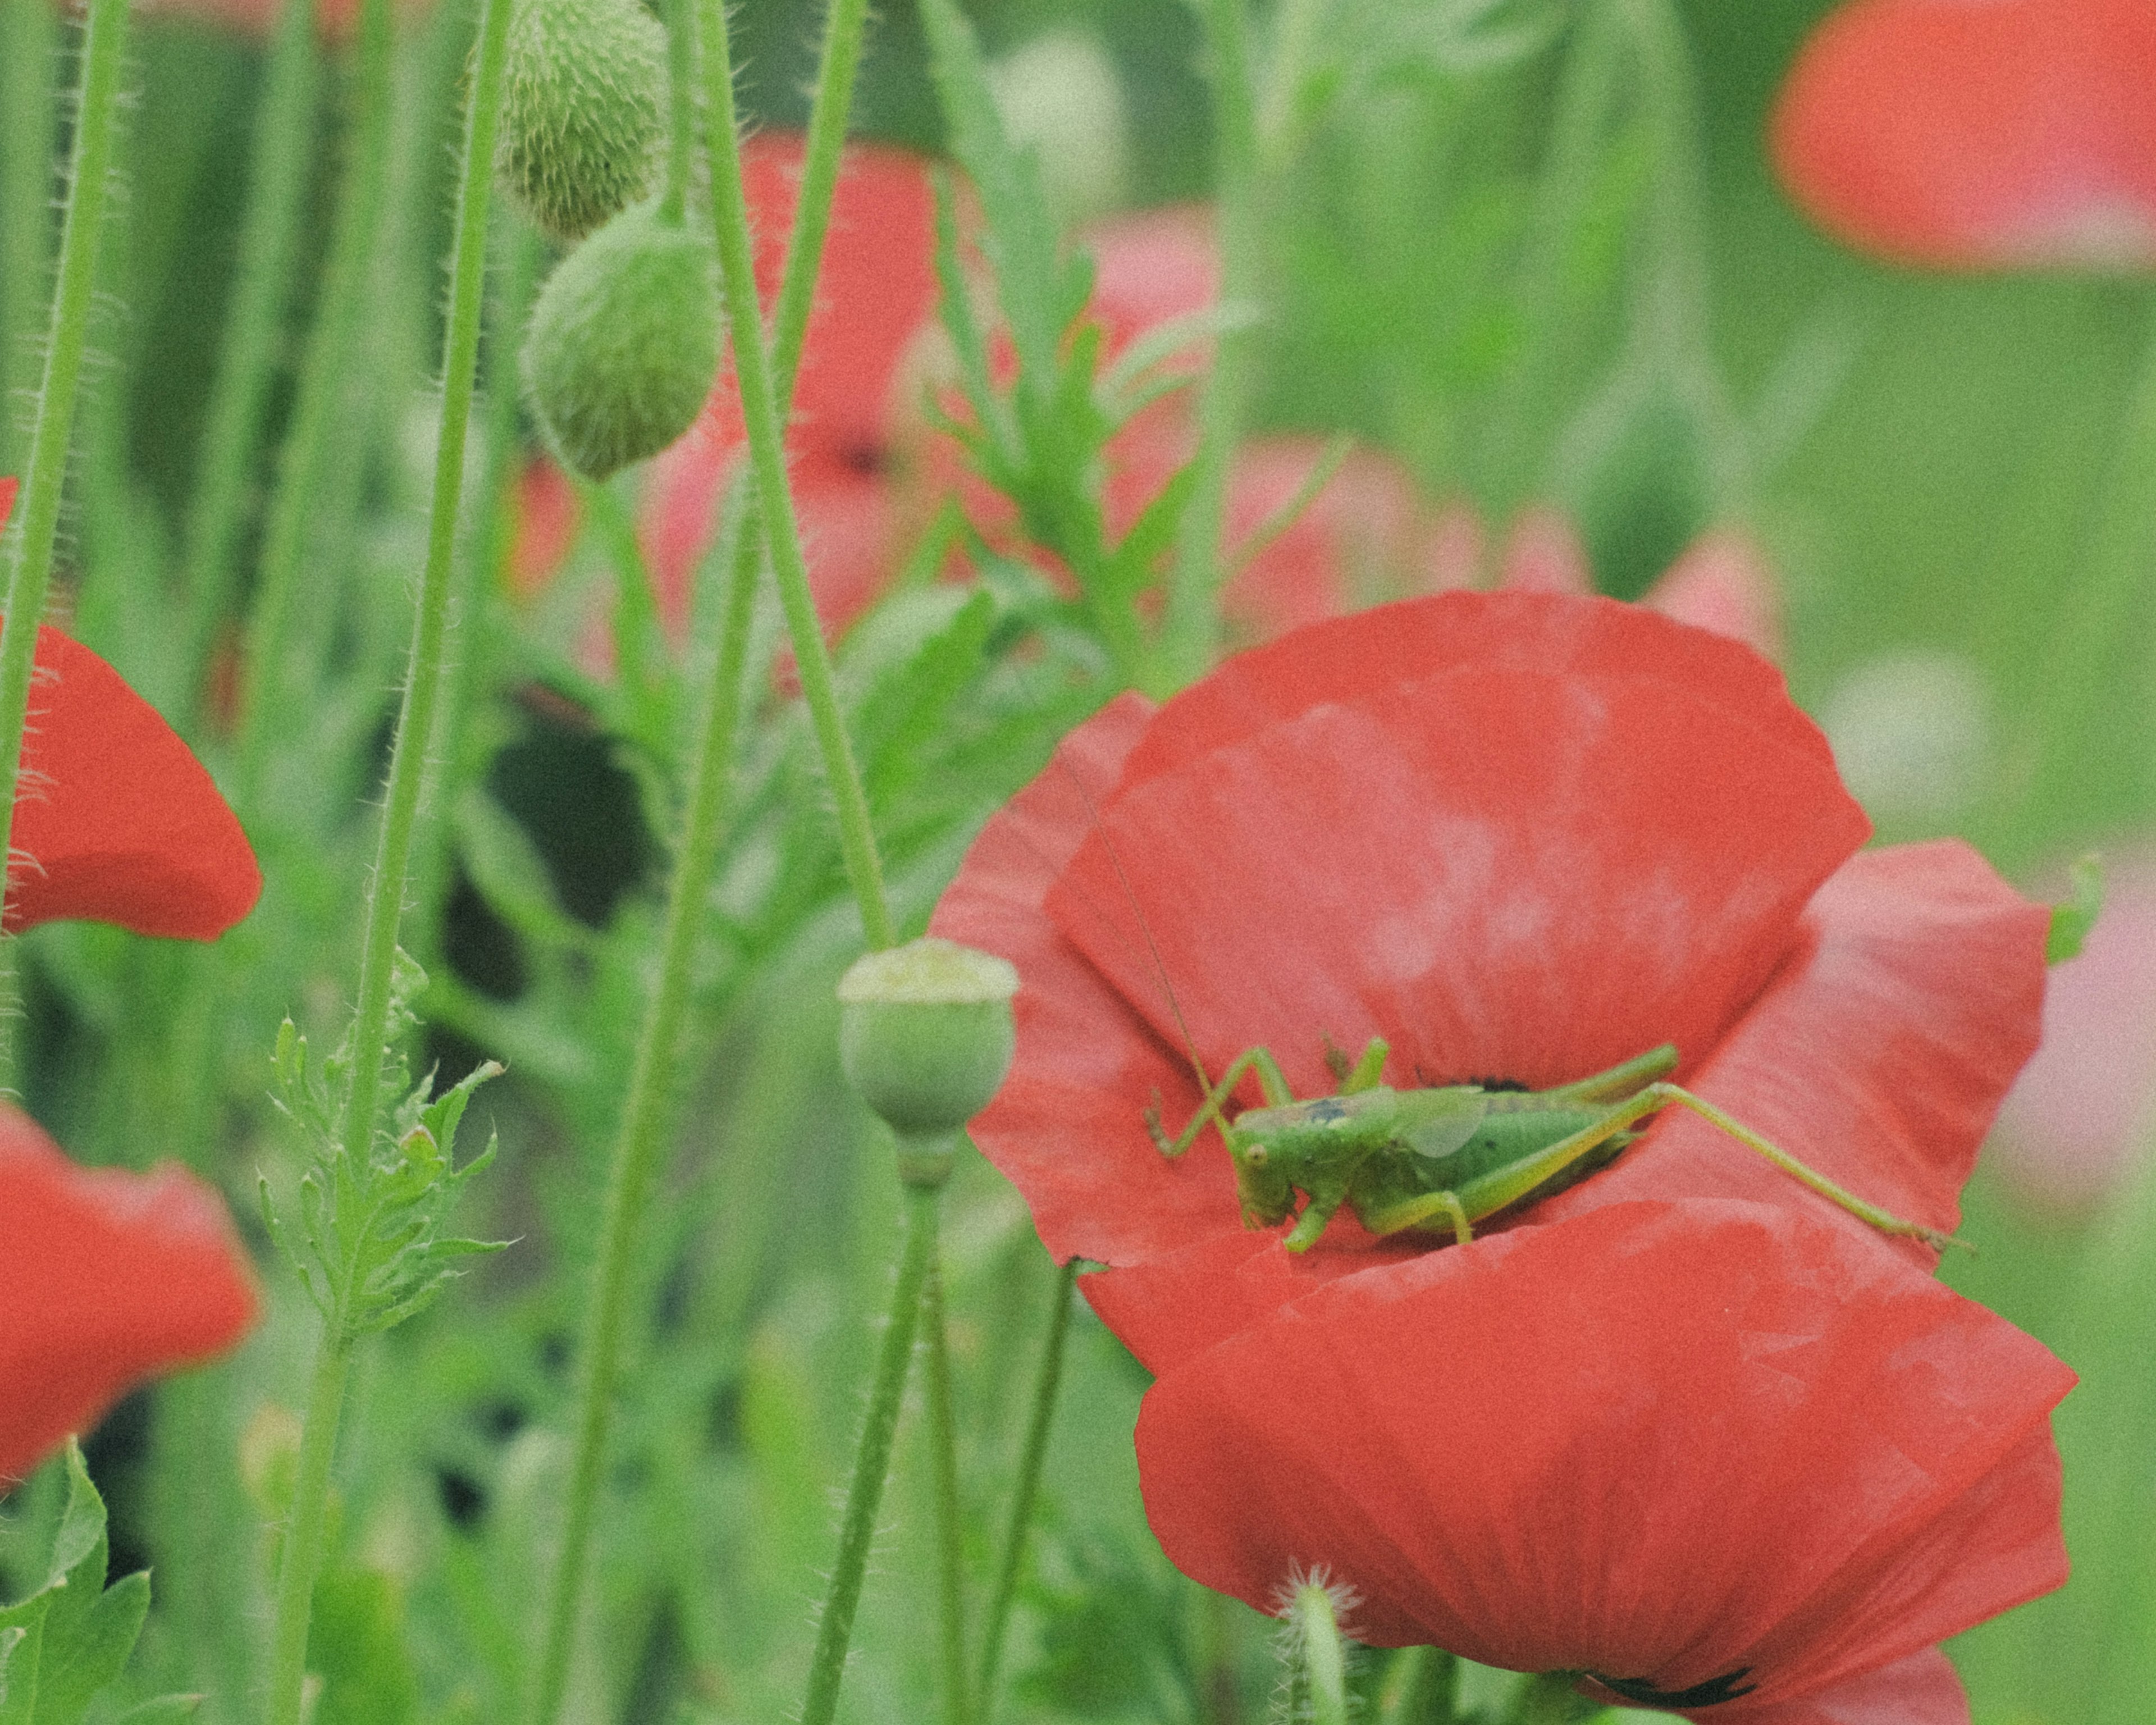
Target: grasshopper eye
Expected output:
[1257,1156]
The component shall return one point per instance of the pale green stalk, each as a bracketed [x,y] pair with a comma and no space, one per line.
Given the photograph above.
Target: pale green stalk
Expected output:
[268,248]
[752,372]
[950,1512]
[1031,1459]
[415,725]
[643,1110]
[30,561]
[1192,632]
[872,1461]
[29,55]
[315,444]
[1320,1654]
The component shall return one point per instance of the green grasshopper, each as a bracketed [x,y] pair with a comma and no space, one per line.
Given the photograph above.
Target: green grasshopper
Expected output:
[1449,1155]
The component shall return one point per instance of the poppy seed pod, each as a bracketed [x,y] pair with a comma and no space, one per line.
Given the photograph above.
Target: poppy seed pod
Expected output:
[625,342]
[926,1033]
[580,109]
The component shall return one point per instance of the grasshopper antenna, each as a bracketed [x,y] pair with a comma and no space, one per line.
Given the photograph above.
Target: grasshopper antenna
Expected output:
[1145,928]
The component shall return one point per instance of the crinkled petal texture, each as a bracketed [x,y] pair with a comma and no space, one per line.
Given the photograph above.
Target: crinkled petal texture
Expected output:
[2012,133]
[115,821]
[1710,1451]
[106,1278]
[1521,836]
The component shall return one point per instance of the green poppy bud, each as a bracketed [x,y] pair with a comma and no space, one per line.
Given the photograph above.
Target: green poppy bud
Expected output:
[926,1035]
[625,342]
[581,106]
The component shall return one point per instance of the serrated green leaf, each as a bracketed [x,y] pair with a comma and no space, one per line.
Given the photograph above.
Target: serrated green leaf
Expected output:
[2073,919]
[76,1632]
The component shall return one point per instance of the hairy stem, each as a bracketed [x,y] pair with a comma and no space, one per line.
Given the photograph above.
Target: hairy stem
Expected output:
[1047,1382]
[950,1512]
[30,565]
[29,53]
[767,463]
[1321,1654]
[385,905]
[872,1459]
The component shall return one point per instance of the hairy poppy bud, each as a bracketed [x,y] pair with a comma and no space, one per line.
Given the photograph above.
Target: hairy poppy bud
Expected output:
[625,342]
[926,1035]
[580,109]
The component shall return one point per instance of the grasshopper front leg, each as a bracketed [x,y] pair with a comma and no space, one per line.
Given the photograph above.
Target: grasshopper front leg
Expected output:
[1270,1080]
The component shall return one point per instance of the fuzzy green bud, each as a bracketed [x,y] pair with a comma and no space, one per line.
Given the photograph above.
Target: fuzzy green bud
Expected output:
[926,1035]
[625,342]
[581,106]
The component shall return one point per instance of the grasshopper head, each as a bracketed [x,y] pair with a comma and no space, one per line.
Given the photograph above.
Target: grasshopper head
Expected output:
[1262,1179]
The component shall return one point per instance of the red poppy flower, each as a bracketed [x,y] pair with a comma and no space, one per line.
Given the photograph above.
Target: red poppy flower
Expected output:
[1525,837]
[106,1278]
[876,289]
[2017,133]
[114,820]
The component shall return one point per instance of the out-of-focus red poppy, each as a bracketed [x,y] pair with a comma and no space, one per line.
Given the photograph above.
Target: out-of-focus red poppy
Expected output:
[1525,837]
[876,289]
[2014,134]
[2081,1116]
[115,821]
[106,1278]
[334,18]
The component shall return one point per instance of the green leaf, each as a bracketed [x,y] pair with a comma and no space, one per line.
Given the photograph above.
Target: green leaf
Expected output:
[162,1710]
[74,1634]
[2073,919]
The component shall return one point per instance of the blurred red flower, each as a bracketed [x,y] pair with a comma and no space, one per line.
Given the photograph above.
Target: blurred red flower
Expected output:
[115,821]
[2014,134]
[1524,837]
[876,288]
[106,1278]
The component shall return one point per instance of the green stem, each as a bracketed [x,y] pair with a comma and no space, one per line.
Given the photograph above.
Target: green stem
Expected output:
[844,29]
[1193,625]
[301,1559]
[643,1135]
[1031,1459]
[415,727]
[681,91]
[30,566]
[1548,1699]
[950,1512]
[268,248]
[637,1149]
[317,446]
[1323,1657]
[768,462]
[872,1459]
[1420,1688]
[29,53]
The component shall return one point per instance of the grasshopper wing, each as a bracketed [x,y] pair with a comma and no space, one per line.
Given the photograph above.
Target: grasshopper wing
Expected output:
[1436,1123]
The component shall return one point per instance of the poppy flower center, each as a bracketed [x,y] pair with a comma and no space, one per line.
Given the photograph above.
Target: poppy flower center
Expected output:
[1715,1690]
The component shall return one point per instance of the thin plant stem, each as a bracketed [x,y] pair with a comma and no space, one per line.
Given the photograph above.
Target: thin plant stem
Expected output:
[1048,1383]
[872,1459]
[29,44]
[1320,1653]
[950,1512]
[269,251]
[752,372]
[315,444]
[1192,621]
[415,726]
[1419,1687]
[642,1135]
[1548,1699]
[681,92]
[844,27]
[31,562]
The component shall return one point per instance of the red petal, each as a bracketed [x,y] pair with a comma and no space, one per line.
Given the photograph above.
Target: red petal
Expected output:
[1724,582]
[106,1278]
[1151,268]
[1920,1690]
[1879,1054]
[2016,133]
[118,822]
[1508,873]
[1662,1442]
[6,499]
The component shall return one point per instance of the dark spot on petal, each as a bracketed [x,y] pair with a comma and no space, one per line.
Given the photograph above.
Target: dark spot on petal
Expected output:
[1715,1690]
